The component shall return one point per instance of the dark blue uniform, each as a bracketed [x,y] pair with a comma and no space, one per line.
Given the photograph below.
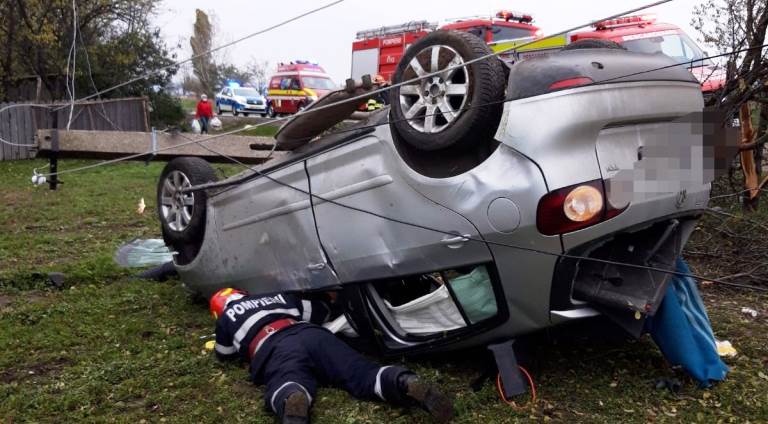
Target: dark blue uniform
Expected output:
[298,357]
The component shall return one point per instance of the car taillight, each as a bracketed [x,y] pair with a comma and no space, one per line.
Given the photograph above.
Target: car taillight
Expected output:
[569,83]
[573,208]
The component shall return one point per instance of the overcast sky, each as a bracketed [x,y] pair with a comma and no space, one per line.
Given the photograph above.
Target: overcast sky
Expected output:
[327,36]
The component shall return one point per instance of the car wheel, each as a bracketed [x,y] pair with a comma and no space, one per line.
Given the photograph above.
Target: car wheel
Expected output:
[264,115]
[245,114]
[271,111]
[593,43]
[182,215]
[455,107]
[218,109]
[234,111]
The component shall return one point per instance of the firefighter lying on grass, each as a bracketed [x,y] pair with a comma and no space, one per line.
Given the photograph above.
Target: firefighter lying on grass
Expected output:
[289,353]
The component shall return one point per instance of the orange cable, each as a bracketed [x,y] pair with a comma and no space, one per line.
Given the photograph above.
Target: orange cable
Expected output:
[530,382]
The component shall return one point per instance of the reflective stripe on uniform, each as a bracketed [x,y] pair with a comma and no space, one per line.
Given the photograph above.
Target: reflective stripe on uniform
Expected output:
[225,350]
[377,386]
[243,330]
[286,384]
[307,313]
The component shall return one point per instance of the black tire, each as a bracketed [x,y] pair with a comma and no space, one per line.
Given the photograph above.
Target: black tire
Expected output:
[245,114]
[234,111]
[187,237]
[271,111]
[479,109]
[218,109]
[263,115]
[593,43]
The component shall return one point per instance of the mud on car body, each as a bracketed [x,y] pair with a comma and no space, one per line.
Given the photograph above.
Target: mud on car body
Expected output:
[501,169]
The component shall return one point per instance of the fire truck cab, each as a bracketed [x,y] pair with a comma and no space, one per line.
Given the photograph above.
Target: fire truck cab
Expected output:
[378,50]
[642,34]
[295,86]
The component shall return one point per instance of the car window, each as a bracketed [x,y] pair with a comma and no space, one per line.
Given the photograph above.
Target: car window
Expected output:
[500,33]
[295,84]
[285,83]
[246,92]
[228,92]
[274,83]
[677,46]
[319,83]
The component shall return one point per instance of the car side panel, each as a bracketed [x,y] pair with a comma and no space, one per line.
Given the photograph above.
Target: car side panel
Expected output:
[363,247]
[500,197]
[266,237]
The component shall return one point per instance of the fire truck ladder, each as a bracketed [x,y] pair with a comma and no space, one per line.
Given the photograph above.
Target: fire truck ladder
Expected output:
[397,29]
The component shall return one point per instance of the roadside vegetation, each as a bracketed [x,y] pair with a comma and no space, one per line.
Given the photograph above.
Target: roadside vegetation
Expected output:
[107,348]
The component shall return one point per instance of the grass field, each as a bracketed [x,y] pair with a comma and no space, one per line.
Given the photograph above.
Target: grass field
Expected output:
[106,348]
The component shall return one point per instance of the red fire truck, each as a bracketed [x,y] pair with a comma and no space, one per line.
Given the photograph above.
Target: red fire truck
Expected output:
[295,86]
[643,34]
[378,51]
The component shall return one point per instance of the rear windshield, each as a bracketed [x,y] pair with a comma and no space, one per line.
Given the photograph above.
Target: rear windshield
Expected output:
[246,92]
[501,33]
[319,83]
[675,45]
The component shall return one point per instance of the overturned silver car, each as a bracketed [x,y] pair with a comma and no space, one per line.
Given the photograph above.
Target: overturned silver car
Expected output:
[463,213]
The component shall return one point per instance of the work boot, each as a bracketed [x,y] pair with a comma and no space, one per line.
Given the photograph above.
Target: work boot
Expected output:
[429,397]
[296,409]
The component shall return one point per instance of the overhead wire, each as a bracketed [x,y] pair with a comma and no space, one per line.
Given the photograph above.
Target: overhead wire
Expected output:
[163,68]
[73,55]
[388,122]
[213,50]
[482,240]
[464,64]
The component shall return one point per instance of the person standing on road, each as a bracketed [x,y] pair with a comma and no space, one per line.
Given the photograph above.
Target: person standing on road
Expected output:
[290,353]
[204,113]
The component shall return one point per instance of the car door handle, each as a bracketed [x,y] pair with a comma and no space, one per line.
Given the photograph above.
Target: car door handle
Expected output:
[316,267]
[455,242]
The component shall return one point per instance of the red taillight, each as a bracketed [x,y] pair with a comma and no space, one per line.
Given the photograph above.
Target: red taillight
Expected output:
[553,216]
[570,82]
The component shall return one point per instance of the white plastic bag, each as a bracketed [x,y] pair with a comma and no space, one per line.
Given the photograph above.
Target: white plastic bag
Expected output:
[432,313]
[216,123]
[196,126]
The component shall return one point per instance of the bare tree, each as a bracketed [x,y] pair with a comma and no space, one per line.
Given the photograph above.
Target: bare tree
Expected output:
[203,66]
[260,71]
[739,26]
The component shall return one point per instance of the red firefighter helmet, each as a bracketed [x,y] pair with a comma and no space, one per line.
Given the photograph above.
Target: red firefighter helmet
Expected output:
[220,299]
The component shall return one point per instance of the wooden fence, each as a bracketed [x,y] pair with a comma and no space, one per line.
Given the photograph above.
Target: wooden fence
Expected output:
[19,125]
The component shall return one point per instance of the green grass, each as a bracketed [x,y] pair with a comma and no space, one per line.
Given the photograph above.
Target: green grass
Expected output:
[109,349]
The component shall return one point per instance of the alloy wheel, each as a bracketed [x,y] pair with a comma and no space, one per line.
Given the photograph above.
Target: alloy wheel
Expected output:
[432,104]
[177,206]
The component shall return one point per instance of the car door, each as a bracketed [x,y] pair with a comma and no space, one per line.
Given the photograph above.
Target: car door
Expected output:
[267,232]
[228,101]
[363,247]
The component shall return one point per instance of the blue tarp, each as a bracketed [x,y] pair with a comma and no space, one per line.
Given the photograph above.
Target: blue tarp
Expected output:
[682,330]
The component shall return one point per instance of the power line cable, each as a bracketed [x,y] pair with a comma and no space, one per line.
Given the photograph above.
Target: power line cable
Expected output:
[213,50]
[157,70]
[413,80]
[312,110]
[73,54]
[482,240]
